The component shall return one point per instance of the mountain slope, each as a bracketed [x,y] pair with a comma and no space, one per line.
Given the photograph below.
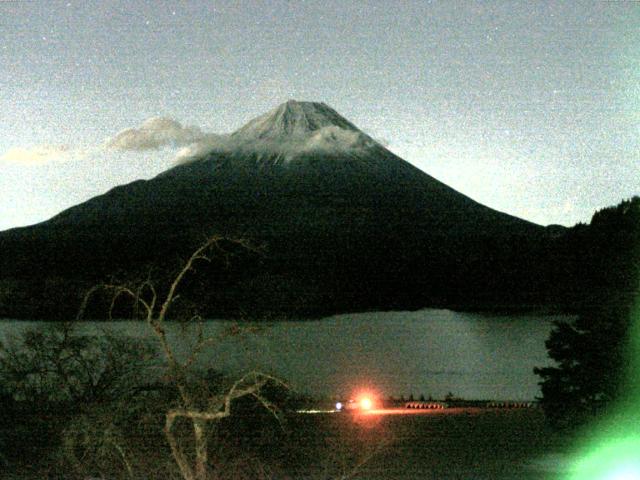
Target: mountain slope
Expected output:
[348,226]
[302,154]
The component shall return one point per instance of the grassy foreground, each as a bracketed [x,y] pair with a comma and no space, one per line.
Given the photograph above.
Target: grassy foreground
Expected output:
[450,444]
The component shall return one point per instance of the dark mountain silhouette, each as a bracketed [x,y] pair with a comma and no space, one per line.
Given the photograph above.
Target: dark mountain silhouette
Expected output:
[347,225]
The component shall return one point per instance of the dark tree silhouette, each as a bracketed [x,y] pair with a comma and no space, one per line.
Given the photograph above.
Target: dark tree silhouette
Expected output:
[590,356]
[591,351]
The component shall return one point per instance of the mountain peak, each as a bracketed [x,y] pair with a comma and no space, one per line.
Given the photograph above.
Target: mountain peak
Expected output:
[292,130]
[293,119]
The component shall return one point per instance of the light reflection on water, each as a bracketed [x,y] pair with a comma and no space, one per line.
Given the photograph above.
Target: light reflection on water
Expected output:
[430,352]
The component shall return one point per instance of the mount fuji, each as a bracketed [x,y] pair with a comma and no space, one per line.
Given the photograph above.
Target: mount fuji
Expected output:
[347,225]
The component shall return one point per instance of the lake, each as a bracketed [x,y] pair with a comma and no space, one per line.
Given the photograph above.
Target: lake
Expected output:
[430,352]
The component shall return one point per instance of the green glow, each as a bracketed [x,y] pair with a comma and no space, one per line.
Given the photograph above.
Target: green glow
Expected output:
[612,451]
[614,460]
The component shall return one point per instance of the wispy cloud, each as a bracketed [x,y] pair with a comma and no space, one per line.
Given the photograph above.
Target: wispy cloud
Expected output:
[192,142]
[156,133]
[153,134]
[41,154]
[208,143]
[331,139]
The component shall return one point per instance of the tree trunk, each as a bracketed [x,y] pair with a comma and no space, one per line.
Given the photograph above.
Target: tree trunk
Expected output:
[179,457]
[200,434]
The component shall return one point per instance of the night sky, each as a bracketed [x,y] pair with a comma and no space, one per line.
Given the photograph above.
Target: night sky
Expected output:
[532,108]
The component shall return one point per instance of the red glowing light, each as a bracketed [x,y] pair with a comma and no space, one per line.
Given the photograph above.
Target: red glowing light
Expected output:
[366,403]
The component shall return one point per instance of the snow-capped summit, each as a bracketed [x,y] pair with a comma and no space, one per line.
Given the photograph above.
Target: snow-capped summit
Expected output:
[293,119]
[291,130]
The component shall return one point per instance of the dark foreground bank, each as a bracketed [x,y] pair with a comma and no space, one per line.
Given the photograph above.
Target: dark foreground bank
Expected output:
[447,444]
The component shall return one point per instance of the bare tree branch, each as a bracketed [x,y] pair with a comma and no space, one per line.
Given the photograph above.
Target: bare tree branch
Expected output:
[197,255]
[145,296]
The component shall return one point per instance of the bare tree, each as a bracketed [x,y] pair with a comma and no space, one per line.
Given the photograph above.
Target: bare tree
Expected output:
[199,412]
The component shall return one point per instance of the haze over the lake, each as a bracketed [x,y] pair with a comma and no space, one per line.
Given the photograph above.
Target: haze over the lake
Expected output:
[431,352]
[532,108]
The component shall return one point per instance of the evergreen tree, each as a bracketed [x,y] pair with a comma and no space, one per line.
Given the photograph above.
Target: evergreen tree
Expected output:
[590,352]
[590,356]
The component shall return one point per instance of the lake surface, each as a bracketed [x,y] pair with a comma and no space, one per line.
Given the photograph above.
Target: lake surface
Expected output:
[430,352]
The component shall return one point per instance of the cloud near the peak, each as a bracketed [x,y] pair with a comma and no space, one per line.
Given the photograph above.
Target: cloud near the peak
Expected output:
[334,138]
[208,143]
[41,154]
[330,139]
[156,133]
